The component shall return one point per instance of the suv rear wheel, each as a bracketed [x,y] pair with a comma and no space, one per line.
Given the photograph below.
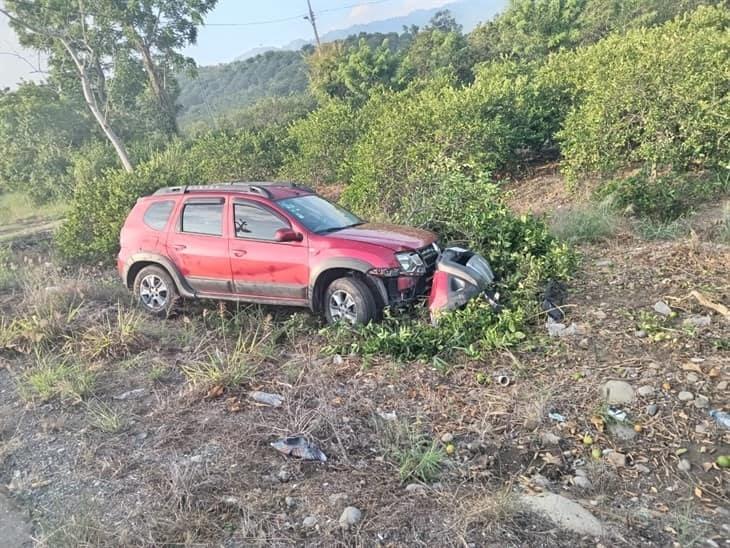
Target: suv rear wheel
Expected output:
[349,300]
[156,292]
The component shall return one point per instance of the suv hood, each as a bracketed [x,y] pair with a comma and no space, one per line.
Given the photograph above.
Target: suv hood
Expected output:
[395,237]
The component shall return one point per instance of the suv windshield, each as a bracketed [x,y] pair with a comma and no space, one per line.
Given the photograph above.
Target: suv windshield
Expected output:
[319,215]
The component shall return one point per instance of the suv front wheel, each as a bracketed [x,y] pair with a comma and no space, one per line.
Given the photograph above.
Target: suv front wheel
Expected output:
[156,292]
[349,300]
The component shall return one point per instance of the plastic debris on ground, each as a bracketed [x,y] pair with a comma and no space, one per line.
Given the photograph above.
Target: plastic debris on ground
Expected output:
[297,446]
[721,418]
[552,299]
[556,417]
[274,400]
[619,415]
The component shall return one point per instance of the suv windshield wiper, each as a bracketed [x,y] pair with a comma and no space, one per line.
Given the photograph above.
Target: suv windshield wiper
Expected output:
[336,228]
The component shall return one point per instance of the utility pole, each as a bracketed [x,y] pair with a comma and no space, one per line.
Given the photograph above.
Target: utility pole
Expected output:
[313,21]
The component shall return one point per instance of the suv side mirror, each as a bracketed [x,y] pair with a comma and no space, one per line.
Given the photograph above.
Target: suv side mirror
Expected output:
[287,235]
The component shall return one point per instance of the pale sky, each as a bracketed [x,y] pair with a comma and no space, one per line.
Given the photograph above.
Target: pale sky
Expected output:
[236,26]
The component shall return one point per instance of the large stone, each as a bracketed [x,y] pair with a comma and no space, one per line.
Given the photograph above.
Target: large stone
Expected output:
[350,516]
[660,307]
[622,432]
[565,513]
[617,392]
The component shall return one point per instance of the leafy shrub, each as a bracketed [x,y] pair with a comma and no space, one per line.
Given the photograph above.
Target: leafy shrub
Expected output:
[665,198]
[658,97]
[471,212]
[509,112]
[321,144]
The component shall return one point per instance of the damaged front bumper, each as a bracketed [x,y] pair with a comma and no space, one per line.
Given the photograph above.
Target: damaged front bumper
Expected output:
[460,275]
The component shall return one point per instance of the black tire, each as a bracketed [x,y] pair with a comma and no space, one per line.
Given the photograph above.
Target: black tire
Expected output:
[357,302]
[159,300]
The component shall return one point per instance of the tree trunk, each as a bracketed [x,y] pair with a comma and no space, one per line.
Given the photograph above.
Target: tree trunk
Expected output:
[94,108]
[158,88]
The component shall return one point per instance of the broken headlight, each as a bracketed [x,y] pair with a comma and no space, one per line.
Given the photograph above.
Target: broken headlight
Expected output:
[411,263]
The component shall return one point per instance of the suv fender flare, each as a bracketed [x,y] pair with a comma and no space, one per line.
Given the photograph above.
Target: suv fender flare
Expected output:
[153,258]
[344,263]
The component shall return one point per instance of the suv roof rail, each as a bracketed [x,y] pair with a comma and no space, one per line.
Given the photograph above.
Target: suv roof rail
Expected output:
[239,186]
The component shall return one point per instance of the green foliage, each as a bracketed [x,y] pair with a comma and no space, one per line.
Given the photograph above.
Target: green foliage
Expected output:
[471,212]
[415,454]
[321,144]
[510,112]
[658,97]
[667,197]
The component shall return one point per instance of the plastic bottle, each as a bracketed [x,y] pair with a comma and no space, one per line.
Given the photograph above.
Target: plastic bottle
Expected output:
[721,418]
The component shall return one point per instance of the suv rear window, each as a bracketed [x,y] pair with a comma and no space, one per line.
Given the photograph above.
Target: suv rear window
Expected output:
[203,218]
[157,214]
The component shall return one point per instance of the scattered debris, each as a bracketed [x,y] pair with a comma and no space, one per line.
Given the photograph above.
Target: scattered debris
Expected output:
[622,432]
[350,516]
[652,409]
[565,513]
[548,438]
[503,380]
[556,416]
[619,415]
[702,402]
[553,299]
[707,303]
[617,392]
[297,446]
[721,418]
[614,458]
[131,394]
[697,321]
[448,437]
[388,416]
[556,329]
[684,465]
[309,522]
[582,482]
[662,308]
[645,391]
[337,359]
[684,395]
[338,499]
[416,488]
[273,400]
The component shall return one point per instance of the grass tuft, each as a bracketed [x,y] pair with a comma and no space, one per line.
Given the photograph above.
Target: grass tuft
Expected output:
[586,223]
[104,417]
[416,455]
[56,377]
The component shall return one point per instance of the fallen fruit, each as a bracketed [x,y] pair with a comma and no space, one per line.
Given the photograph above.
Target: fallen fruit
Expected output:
[596,453]
[450,449]
[638,428]
[723,461]
[587,439]
[481,378]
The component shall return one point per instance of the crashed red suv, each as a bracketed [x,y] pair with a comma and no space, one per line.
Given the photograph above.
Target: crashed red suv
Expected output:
[271,243]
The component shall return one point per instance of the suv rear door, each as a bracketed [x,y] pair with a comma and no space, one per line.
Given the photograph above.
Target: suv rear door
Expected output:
[198,244]
[264,269]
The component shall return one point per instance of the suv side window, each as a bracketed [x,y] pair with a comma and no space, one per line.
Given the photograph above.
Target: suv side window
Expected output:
[202,217]
[157,214]
[256,223]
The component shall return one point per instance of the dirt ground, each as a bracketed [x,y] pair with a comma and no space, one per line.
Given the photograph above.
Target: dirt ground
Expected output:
[156,453]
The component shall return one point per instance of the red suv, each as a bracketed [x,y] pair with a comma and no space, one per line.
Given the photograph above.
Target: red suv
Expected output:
[271,243]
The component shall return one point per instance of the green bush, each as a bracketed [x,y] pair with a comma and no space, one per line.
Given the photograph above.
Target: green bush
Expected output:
[508,114]
[667,197]
[471,212]
[321,144]
[657,97]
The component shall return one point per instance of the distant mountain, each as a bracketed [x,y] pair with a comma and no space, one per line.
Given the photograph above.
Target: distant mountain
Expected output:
[468,13]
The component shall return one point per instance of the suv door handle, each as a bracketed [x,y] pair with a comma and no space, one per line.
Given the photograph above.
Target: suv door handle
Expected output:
[239,252]
[179,247]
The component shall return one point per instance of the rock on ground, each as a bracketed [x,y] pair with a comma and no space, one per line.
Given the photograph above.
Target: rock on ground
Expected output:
[617,392]
[564,513]
[350,516]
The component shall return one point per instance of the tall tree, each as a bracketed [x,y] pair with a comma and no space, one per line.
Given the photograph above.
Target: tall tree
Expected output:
[66,30]
[156,30]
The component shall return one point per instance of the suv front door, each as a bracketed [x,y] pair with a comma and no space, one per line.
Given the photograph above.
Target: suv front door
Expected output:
[199,247]
[264,269]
